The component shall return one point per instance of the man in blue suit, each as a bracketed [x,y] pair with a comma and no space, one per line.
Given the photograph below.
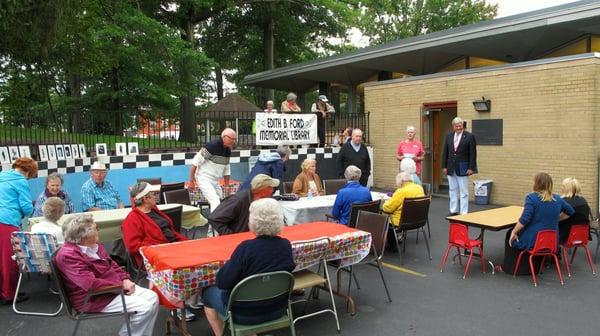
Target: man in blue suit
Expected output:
[459,161]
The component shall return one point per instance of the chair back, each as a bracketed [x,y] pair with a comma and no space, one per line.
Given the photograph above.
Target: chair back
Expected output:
[151,180]
[372,206]
[288,187]
[415,212]
[59,282]
[545,241]
[167,187]
[263,286]
[377,225]
[459,234]
[175,215]
[333,185]
[309,252]
[181,196]
[426,188]
[33,251]
[579,235]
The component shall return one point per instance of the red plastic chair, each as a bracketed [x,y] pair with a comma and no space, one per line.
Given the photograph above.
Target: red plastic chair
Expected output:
[546,244]
[578,237]
[459,238]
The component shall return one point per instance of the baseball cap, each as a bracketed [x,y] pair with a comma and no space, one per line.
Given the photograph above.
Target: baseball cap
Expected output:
[323,98]
[262,181]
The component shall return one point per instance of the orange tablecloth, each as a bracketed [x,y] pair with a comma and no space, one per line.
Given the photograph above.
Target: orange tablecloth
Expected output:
[180,269]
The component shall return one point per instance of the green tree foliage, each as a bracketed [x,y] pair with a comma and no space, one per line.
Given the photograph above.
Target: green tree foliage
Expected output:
[389,20]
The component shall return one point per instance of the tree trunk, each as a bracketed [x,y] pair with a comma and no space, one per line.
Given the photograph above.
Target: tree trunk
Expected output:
[269,49]
[219,81]
[187,116]
[117,113]
[75,92]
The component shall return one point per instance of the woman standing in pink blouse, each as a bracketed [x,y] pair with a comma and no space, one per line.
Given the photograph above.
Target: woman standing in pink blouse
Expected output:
[411,148]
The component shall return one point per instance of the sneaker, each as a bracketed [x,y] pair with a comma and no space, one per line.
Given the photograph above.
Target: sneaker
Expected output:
[189,316]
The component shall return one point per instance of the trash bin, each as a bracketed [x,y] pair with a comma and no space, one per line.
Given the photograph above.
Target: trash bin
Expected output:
[482,190]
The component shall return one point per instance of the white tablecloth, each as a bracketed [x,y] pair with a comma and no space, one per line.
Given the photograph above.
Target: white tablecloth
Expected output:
[307,210]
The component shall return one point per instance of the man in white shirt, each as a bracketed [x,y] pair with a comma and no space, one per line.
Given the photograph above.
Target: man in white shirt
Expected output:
[321,108]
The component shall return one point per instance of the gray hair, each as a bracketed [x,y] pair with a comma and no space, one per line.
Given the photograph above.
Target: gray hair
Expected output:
[403,177]
[266,217]
[53,209]
[356,130]
[408,165]
[136,189]
[291,96]
[283,151]
[79,228]
[457,120]
[53,176]
[411,128]
[352,173]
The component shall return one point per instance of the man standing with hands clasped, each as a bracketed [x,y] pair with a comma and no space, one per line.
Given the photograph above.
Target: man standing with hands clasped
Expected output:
[459,161]
[321,108]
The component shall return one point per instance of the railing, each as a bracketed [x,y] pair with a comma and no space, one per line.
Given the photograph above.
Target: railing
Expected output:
[152,133]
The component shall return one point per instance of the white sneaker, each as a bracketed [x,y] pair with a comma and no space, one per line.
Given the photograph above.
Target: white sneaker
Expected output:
[189,316]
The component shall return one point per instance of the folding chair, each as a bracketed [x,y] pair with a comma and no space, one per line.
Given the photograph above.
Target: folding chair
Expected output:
[372,206]
[288,187]
[175,214]
[32,252]
[77,315]
[167,187]
[578,237]
[260,287]
[333,185]
[309,253]
[545,245]
[415,214]
[151,180]
[180,196]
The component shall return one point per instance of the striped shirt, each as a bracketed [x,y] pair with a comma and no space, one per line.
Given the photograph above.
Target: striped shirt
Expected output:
[94,196]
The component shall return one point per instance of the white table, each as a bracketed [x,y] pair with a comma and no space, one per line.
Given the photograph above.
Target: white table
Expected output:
[307,210]
[109,221]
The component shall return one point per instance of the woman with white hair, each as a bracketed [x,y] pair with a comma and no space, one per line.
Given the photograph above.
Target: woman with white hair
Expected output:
[54,183]
[308,181]
[53,210]
[290,105]
[270,108]
[352,192]
[408,165]
[571,193]
[266,253]
[406,189]
[86,266]
[411,148]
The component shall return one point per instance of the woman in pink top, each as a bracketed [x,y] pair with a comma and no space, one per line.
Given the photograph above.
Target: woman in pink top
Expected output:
[411,148]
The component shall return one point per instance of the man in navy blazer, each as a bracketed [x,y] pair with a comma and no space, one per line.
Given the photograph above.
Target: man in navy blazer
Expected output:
[459,161]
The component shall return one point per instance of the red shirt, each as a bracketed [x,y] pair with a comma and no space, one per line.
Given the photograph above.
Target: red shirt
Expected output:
[414,147]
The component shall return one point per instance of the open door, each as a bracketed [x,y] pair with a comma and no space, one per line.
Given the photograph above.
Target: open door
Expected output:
[437,123]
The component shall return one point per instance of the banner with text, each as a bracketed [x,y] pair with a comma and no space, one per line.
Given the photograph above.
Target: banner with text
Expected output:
[286,129]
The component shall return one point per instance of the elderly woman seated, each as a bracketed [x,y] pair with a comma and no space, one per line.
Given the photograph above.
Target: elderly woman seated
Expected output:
[409,165]
[86,266]
[146,225]
[308,180]
[265,253]
[54,183]
[571,193]
[352,192]
[52,210]
[406,189]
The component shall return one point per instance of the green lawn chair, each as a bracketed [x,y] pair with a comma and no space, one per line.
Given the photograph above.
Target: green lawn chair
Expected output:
[261,287]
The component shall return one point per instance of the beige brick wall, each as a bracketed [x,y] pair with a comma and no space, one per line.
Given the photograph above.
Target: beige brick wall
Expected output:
[551,123]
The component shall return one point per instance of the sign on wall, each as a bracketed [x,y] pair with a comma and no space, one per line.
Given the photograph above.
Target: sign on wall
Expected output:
[285,129]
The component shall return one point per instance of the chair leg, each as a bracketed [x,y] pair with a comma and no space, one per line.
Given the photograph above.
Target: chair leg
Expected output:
[76,327]
[562,282]
[518,263]
[379,267]
[482,259]
[398,246]
[589,258]
[428,228]
[532,269]
[459,255]
[468,264]
[573,255]
[355,280]
[426,241]
[542,264]
[335,314]
[445,257]
[126,315]
[14,304]
[597,248]
[565,261]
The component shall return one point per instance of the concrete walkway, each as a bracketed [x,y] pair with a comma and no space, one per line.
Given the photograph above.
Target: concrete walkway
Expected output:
[425,301]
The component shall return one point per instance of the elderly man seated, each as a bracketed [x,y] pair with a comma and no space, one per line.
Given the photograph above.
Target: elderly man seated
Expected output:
[406,189]
[231,216]
[97,193]
[352,192]
[266,253]
[146,225]
[52,210]
[86,266]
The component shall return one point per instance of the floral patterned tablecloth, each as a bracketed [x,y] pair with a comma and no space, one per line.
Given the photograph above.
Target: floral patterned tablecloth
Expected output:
[179,270]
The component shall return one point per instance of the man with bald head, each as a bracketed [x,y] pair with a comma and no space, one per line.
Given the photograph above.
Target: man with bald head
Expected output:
[211,164]
[355,153]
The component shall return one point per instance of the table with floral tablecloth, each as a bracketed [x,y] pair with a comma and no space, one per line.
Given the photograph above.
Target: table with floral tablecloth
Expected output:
[178,270]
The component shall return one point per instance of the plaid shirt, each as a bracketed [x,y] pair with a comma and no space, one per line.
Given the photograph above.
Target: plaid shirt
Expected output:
[94,196]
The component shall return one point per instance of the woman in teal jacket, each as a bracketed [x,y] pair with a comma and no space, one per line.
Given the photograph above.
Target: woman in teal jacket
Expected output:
[15,204]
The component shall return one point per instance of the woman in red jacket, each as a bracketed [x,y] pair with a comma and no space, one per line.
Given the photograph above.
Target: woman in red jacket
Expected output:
[146,225]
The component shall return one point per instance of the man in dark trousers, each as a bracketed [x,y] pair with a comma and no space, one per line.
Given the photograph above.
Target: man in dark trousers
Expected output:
[355,153]
[459,161]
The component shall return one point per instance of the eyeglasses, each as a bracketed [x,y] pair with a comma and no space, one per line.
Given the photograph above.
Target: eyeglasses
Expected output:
[234,139]
[99,172]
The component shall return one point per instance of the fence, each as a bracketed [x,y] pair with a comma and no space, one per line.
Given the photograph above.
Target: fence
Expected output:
[152,132]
